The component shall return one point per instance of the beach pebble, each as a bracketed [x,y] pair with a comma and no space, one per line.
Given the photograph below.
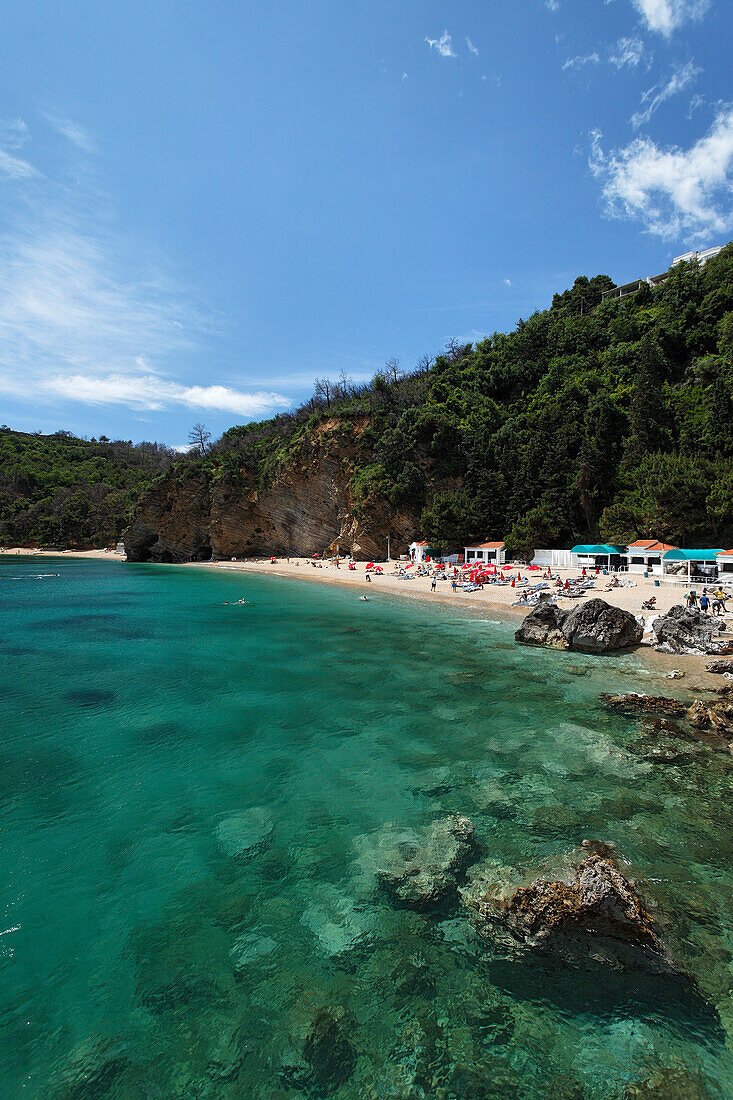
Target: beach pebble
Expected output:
[242,836]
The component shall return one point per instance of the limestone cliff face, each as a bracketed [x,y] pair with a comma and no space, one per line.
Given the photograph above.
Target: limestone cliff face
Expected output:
[307,507]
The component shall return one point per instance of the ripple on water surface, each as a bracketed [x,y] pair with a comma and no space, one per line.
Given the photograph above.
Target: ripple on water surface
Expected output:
[191,798]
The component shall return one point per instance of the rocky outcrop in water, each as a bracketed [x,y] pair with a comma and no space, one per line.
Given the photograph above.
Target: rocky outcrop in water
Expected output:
[592,627]
[421,868]
[592,909]
[688,630]
[328,1057]
[634,703]
[720,667]
[305,507]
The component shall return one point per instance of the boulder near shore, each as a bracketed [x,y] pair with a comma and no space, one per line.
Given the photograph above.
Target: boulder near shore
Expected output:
[689,630]
[592,627]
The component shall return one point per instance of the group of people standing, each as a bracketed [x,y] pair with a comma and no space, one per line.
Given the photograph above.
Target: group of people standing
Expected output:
[714,602]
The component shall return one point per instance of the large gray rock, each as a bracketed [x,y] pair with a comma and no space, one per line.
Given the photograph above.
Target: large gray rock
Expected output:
[688,630]
[543,625]
[592,627]
[420,869]
[597,627]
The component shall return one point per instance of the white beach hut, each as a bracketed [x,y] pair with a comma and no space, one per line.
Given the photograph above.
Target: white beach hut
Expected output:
[645,556]
[421,551]
[490,553]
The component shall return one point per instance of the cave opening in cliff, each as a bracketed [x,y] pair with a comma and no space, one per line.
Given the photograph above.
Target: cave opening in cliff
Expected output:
[204,553]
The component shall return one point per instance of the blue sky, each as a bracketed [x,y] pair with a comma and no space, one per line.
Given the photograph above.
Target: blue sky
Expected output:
[204,206]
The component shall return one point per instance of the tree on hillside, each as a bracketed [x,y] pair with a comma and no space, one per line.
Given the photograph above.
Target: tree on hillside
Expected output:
[200,438]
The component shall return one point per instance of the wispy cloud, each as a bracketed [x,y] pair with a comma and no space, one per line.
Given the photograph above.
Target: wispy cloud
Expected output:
[85,315]
[671,191]
[580,61]
[628,52]
[71,130]
[151,392]
[666,16]
[507,282]
[655,96]
[471,47]
[14,134]
[442,45]
[552,5]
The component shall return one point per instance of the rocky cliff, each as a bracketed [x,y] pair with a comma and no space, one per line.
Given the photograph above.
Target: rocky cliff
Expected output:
[306,506]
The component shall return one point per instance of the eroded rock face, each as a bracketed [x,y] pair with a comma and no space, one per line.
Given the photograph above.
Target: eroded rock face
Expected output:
[688,630]
[592,627]
[306,507]
[593,907]
[714,716]
[420,869]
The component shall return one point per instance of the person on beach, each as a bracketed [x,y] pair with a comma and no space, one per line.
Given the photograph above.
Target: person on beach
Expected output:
[692,599]
[433,584]
[453,584]
[704,602]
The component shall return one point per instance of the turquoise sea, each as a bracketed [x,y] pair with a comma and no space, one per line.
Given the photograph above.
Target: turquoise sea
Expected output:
[187,791]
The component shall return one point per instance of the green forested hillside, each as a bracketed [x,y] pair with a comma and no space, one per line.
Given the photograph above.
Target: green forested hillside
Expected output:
[62,491]
[593,418]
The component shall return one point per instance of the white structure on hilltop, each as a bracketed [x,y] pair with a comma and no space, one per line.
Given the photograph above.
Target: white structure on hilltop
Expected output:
[657,280]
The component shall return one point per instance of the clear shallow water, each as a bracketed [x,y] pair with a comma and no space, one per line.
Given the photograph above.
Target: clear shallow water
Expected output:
[139,959]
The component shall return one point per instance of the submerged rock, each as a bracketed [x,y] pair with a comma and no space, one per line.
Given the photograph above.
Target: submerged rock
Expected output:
[251,948]
[592,627]
[337,922]
[420,869]
[329,1059]
[244,835]
[592,909]
[688,630]
[228,1053]
[714,716]
[91,1070]
[671,1083]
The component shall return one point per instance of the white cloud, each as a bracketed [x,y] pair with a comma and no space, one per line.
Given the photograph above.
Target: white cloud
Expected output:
[507,282]
[13,134]
[71,130]
[471,46]
[579,62]
[151,392]
[657,95]
[672,191]
[15,168]
[442,45]
[627,52]
[86,316]
[552,5]
[666,16]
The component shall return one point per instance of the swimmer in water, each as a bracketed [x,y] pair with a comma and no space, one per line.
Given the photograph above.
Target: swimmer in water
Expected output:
[363,597]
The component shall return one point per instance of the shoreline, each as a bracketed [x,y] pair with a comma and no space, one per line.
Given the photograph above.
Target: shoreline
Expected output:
[481,605]
[489,602]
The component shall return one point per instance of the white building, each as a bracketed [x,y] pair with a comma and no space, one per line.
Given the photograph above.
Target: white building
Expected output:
[421,551]
[645,556]
[488,553]
[556,559]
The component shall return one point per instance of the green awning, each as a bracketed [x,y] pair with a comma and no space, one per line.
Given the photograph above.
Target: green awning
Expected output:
[691,555]
[601,549]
